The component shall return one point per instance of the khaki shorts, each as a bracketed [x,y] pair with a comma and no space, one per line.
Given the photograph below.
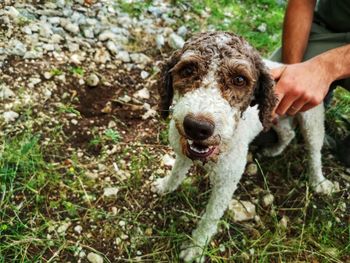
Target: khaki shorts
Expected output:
[321,40]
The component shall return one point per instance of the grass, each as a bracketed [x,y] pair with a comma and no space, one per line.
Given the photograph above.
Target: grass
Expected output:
[47,187]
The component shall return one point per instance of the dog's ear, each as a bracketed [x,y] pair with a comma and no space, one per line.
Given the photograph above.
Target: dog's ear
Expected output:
[165,84]
[264,94]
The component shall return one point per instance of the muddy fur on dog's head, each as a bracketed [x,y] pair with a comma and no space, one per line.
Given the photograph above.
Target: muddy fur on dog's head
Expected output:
[235,67]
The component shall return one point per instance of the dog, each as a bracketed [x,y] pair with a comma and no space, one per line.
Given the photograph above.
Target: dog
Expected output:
[222,96]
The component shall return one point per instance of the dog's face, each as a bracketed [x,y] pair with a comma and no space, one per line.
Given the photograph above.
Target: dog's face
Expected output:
[210,82]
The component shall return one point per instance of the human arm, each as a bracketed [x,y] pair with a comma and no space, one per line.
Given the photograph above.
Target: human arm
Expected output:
[303,86]
[296,29]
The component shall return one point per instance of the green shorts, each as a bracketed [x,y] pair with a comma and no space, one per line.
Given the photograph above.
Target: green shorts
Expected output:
[321,40]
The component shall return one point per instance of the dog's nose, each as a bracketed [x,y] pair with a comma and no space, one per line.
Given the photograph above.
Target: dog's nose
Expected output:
[198,128]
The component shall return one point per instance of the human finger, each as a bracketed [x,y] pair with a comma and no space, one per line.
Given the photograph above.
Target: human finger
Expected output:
[285,104]
[276,73]
[296,106]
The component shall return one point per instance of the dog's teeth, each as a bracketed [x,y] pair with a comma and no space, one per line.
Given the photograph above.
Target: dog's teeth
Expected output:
[190,142]
[193,148]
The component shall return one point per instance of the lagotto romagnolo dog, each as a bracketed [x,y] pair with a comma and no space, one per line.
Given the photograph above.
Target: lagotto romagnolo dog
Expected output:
[221,97]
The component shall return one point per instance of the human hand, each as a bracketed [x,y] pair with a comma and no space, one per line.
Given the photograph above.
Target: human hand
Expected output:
[300,86]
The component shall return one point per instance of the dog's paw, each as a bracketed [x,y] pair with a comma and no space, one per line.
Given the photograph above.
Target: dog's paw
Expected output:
[192,253]
[160,186]
[326,187]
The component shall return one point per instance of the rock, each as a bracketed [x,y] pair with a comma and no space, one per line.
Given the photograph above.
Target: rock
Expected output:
[6,93]
[262,28]
[168,160]
[149,114]
[10,116]
[76,59]
[78,229]
[94,258]
[142,94]
[33,82]
[17,48]
[102,56]
[182,31]
[175,41]
[45,30]
[47,75]
[252,169]
[144,74]
[140,58]
[160,41]
[267,200]
[110,191]
[112,47]
[63,228]
[72,28]
[284,222]
[93,80]
[107,35]
[123,56]
[241,210]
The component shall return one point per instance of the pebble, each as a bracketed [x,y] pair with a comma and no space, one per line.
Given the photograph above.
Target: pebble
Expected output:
[123,56]
[142,94]
[241,210]
[110,191]
[10,116]
[175,41]
[267,200]
[94,258]
[6,93]
[78,229]
[140,58]
[144,74]
[160,41]
[93,80]
[72,28]
[112,47]
[252,169]
[17,48]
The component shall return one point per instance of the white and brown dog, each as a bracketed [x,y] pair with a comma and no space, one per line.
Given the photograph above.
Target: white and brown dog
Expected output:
[222,97]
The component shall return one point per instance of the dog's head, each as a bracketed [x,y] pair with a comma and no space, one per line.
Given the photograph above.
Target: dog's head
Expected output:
[210,82]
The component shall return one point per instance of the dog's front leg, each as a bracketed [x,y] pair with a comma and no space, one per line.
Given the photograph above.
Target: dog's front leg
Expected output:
[171,182]
[224,184]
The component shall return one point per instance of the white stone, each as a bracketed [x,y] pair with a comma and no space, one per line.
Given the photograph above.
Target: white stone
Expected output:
[10,116]
[102,56]
[267,200]
[78,229]
[92,80]
[107,35]
[175,41]
[251,169]
[6,92]
[160,41]
[63,228]
[182,31]
[112,47]
[17,48]
[262,27]
[140,58]
[72,28]
[241,210]
[144,74]
[123,56]
[94,258]
[142,94]
[110,191]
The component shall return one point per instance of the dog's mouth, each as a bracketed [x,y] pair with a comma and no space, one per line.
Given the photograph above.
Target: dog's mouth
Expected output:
[200,150]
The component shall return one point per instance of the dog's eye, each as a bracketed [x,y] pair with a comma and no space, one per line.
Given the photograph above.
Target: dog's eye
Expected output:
[187,71]
[239,81]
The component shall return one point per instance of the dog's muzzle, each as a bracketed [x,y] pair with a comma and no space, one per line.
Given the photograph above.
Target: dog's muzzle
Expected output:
[199,131]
